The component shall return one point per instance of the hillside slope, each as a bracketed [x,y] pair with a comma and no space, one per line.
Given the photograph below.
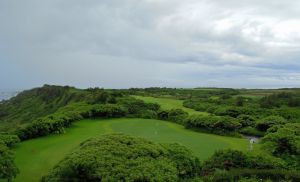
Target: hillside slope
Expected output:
[39,102]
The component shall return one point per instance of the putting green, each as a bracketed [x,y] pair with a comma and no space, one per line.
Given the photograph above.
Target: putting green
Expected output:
[37,156]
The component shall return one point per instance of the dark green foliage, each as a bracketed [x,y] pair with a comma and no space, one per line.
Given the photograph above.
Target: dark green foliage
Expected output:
[56,123]
[214,124]
[284,142]
[9,140]
[8,169]
[177,115]
[246,120]
[138,108]
[183,93]
[255,175]
[239,101]
[174,115]
[268,102]
[267,122]
[280,99]
[294,102]
[290,114]
[197,105]
[228,111]
[251,131]
[224,160]
[187,165]
[119,157]
[228,160]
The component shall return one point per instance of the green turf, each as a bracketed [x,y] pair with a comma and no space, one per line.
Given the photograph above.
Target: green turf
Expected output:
[37,156]
[167,103]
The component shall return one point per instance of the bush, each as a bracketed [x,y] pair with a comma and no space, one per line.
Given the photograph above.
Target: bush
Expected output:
[254,175]
[136,106]
[108,111]
[232,159]
[187,165]
[284,141]
[9,140]
[267,122]
[228,111]
[251,131]
[8,169]
[224,160]
[174,115]
[177,115]
[214,124]
[246,120]
[56,123]
[196,105]
[118,157]
[148,114]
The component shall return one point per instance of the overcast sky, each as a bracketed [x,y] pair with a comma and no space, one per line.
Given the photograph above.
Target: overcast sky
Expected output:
[143,43]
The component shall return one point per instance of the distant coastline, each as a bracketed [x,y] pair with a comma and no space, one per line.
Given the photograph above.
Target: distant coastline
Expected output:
[6,94]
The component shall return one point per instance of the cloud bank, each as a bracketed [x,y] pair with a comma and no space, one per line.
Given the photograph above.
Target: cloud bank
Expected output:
[143,43]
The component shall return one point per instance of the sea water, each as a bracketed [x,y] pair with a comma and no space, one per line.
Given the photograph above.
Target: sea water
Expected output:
[6,94]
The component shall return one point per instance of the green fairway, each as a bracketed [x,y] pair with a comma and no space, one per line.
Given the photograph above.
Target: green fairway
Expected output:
[37,156]
[167,103]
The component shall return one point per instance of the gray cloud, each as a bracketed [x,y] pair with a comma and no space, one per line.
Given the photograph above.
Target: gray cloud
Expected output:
[141,43]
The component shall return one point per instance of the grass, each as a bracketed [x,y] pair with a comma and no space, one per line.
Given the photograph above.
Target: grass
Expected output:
[167,104]
[37,156]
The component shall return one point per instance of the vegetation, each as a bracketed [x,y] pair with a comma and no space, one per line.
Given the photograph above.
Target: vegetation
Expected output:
[231,165]
[118,157]
[284,141]
[56,123]
[8,169]
[50,110]
[223,125]
[36,157]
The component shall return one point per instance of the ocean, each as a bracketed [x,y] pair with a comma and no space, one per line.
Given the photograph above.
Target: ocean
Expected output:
[6,94]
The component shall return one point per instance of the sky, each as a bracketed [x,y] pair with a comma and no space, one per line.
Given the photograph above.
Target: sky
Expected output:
[147,43]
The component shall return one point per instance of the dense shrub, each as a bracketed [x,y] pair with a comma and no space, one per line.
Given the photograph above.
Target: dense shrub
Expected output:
[240,101]
[139,108]
[267,122]
[177,115]
[56,123]
[187,165]
[108,111]
[246,120]
[228,111]
[8,169]
[254,175]
[9,140]
[280,99]
[215,124]
[291,114]
[251,131]
[118,157]
[197,105]
[284,141]
[174,115]
[232,159]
